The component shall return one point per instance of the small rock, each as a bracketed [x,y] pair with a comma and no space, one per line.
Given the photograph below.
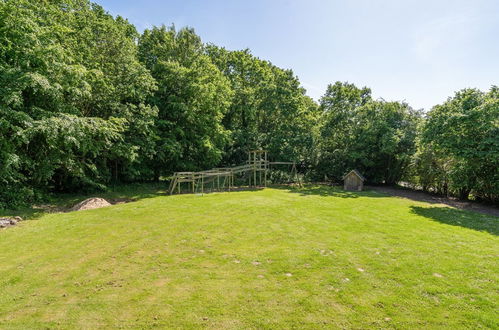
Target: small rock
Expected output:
[332,288]
[437,275]
[326,253]
[289,274]
[5,222]
[346,279]
[387,319]
[360,269]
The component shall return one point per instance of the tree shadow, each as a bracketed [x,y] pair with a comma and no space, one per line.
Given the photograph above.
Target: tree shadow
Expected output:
[324,190]
[62,202]
[208,191]
[417,195]
[27,213]
[456,217]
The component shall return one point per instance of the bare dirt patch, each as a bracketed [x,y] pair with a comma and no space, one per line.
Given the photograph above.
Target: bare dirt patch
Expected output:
[116,201]
[91,203]
[434,199]
[54,208]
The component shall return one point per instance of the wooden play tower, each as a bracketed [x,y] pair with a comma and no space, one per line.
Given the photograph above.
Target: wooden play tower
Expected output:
[223,178]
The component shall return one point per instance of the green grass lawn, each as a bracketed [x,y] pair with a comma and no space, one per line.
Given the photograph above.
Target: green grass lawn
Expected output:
[276,258]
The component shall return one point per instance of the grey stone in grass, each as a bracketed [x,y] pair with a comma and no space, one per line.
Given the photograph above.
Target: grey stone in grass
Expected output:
[5,222]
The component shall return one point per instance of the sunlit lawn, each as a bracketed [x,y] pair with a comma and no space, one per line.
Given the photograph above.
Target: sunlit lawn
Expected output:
[275,258]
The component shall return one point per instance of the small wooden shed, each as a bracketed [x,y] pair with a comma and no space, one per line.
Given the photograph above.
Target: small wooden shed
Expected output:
[353,181]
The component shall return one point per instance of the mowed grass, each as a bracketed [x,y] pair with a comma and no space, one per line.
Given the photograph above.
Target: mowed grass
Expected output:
[315,257]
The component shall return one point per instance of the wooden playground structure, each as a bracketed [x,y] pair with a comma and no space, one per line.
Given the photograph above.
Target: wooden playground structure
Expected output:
[255,171]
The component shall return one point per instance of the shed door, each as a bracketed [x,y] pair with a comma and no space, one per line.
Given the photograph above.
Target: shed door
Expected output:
[352,182]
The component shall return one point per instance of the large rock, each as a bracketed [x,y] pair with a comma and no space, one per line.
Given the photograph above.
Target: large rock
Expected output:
[91,203]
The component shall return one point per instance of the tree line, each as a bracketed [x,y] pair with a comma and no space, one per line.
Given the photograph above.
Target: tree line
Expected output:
[86,101]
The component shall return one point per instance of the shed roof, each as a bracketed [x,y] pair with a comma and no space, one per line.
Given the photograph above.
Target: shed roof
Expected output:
[357,173]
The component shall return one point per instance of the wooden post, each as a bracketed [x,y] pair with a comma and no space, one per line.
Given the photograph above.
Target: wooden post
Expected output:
[250,155]
[260,169]
[254,169]
[265,174]
[202,183]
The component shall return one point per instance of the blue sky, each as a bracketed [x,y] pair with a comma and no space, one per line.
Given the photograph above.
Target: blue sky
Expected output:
[417,51]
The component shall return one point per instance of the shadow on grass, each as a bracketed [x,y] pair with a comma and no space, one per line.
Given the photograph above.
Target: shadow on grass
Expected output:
[27,213]
[455,217]
[115,195]
[206,191]
[324,190]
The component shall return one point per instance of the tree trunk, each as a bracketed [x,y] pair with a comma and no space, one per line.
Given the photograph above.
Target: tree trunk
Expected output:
[115,171]
[464,193]
[156,174]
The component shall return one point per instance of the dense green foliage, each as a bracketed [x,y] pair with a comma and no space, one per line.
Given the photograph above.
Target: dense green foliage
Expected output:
[192,98]
[87,101]
[375,137]
[72,99]
[458,151]
[269,109]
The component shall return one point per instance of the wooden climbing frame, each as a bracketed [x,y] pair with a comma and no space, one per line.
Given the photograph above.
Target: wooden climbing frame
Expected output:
[222,179]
